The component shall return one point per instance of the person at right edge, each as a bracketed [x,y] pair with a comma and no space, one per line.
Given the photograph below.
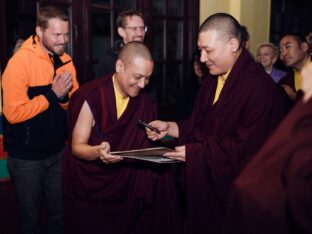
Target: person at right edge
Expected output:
[273,193]
[237,108]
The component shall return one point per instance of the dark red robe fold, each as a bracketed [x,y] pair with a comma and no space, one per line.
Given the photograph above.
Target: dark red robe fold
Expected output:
[124,197]
[289,80]
[274,193]
[220,139]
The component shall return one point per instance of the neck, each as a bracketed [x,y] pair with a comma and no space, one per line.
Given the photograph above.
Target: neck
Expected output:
[301,64]
[268,69]
[115,81]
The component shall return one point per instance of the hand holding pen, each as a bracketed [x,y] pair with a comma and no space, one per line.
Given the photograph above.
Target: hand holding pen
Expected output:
[156,130]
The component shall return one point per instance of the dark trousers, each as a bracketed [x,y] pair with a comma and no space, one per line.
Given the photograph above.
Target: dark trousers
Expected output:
[36,183]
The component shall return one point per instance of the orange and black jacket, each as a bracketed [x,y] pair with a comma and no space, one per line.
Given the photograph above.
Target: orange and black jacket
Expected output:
[35,119]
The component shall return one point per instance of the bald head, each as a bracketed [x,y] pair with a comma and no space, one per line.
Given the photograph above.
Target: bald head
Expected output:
[225,25]
[134,68]
[134,50]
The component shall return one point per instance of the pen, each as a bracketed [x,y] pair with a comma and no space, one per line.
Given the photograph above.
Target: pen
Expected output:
[148,126]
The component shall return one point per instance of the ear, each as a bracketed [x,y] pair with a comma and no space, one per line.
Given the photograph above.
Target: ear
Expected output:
[119,66]
[305,46]
[39,31]
[121,32]
[234,44]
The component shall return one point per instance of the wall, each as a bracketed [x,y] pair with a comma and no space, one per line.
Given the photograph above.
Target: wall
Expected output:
[254,14]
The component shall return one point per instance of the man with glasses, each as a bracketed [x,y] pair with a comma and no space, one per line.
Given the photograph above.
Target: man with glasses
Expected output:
[131,27]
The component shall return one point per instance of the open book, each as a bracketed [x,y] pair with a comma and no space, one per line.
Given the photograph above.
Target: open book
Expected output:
[148,154]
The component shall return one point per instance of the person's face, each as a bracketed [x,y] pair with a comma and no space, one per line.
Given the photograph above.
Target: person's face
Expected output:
[218,54]
[266,56]
[55,37]
[292,53]
[134,30]
[133,76]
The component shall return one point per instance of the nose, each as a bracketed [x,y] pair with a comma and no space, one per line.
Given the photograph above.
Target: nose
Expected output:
[282,53]
[139,31]
[141,83]
[203,56]
[63,38]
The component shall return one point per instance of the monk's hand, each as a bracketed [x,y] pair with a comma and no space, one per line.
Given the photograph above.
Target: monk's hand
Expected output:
[290,92]
[161,126]
[105,155]
[306,85]
[178,154]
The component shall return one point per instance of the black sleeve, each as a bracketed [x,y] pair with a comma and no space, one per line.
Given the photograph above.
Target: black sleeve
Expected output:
[51,97]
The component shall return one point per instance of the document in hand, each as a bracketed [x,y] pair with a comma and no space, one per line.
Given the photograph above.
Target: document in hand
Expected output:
[148,154]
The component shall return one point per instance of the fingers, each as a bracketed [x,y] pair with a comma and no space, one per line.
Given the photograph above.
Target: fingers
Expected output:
[62,83]
[162,128]
[290,92]
[105,146]
[110,159]
[178,154]
[105,157]
[152,135]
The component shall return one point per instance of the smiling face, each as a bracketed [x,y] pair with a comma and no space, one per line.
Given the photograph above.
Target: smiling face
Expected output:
[292,53]
[266,56]
[55,37]
[134,29]
[133,76]
[218,54]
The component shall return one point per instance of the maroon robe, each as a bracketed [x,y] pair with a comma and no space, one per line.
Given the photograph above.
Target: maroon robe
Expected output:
[274,193]
[220,139]
[123,197]
[289,80]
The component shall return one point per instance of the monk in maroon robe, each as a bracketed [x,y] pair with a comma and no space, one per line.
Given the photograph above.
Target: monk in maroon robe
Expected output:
[104,193]
[294,53]
[227,127]
[273,193]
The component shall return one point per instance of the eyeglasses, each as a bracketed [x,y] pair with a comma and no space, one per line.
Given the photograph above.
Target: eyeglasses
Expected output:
[134,29]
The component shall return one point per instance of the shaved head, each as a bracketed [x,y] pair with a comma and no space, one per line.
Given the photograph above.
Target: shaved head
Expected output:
[225,25]
[134,68]
[134,50]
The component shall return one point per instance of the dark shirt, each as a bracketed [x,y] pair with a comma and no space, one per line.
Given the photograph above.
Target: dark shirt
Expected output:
[187,97]
[107,63]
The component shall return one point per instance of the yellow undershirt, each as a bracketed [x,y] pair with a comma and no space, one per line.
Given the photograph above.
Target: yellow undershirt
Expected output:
[121,102]
[298,78]
[221,82]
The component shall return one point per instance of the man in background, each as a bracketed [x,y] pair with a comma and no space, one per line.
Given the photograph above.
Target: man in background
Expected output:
[294,53]
[130,27]
[37,84]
